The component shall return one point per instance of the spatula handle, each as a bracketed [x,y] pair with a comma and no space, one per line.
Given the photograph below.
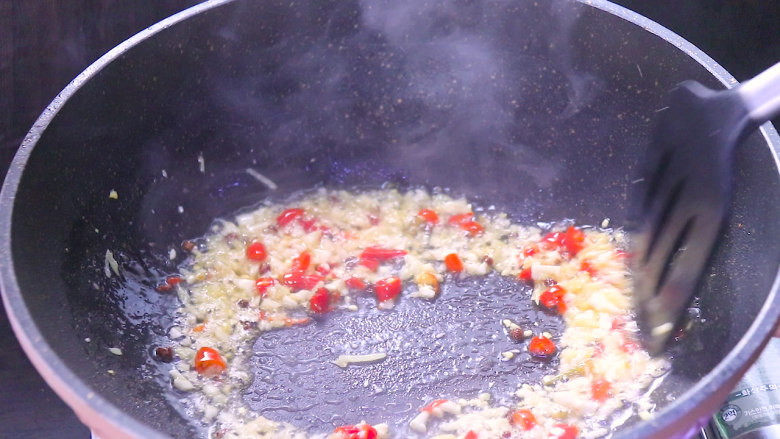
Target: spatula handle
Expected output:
[762,95]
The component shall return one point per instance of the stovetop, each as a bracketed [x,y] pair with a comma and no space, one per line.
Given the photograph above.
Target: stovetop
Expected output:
[35,65]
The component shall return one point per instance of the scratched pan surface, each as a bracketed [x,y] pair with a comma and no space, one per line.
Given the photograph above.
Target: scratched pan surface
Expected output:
[538,108]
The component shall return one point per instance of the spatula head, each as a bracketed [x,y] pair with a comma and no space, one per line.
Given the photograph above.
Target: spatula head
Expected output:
[680,203]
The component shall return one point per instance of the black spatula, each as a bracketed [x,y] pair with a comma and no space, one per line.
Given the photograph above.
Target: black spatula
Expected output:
[685,190]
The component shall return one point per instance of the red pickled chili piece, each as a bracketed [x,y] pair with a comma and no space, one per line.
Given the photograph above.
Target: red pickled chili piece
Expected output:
[429,216]
[435,403]
[288,215]
[209,363]
[382,254]
[600,389]
[371,264]
[629,346]
[297,280]
[320,301]
[541,346]
[574,240]
[362,431]
[563,431]
[256,251]
[526,275]
[587,267]
[323,269]
[453,263]
[474,228]
[523,418]
[309,224]
[459,219]
[552,240]
[470,435]
[302,262]
[388,288]
[263,284]
[169,283]
[552,296]
[355,283]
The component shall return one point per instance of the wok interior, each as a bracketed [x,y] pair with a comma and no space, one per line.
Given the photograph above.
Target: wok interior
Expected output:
[538,108]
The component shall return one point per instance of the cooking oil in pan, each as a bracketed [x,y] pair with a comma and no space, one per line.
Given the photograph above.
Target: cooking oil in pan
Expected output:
[450,350]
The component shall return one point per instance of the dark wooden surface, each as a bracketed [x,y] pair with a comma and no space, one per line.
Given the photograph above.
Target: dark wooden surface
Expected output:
[46,43]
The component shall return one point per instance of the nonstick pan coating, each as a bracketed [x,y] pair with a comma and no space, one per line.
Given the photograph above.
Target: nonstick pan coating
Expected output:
[538,108]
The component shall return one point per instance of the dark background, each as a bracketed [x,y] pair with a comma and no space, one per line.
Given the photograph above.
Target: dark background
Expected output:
[45,43]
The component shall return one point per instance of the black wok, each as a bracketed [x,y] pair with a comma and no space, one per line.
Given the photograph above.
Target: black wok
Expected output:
[539,108]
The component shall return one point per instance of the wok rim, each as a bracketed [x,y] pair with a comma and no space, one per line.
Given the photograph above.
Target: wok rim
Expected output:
[108,420]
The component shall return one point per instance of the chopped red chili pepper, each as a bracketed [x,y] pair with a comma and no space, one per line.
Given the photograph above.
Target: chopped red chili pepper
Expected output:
[600,389]
[526,275]
[618,322]
[470,435]
[356,283]
[323,269]
[541,346]
[302,262]
[371,264]
[297,280]
[435,403]
[382,254]
[523,418]
[552,240]
[256,251]
[474,228]
[453,263]
[288,215]
[208,362]
[320,301]
[388,288]
[361,431]
[563,431]
[309,224]
[263,284]
[587,267]
[629,346]
[552,296]
[169,283]
[429,216]
[530,251]
[460,218]
[574,240]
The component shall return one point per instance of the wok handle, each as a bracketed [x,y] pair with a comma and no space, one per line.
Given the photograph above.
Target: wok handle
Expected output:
[762,95]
